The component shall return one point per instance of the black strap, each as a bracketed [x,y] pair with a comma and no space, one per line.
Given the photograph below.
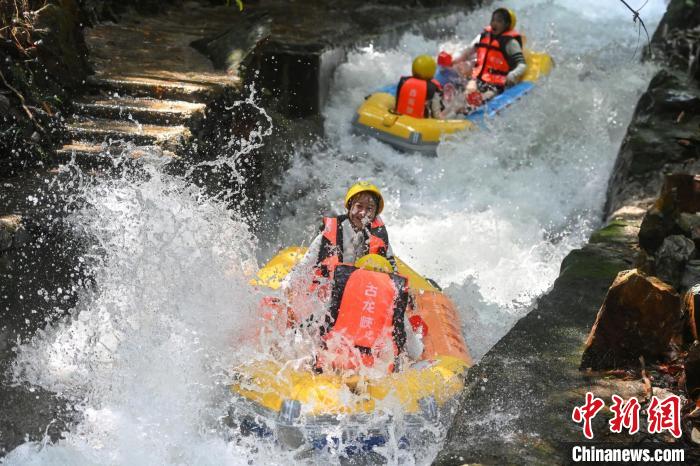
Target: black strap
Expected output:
[498,72]
[399,331]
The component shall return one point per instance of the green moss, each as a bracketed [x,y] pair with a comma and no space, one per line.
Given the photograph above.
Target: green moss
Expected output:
[583,263]
[615,231]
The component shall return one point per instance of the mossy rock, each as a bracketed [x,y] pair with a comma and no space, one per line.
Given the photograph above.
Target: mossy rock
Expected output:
[588,263]
[617,231]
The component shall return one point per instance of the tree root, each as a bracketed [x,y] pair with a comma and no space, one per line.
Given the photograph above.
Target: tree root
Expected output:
[22,101]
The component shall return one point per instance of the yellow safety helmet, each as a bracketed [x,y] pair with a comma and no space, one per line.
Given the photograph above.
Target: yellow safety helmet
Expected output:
[364,186]
[375,263]
[424,67]
[513,19]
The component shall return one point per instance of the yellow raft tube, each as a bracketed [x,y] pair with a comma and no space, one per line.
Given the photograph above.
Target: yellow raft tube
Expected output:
[275,398]
[376,116]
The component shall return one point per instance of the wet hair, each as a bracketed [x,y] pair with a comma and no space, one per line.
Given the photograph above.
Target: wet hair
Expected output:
[504,14]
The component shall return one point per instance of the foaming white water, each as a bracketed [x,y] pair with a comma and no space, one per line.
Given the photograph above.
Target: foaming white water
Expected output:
[494,214]
[144,356]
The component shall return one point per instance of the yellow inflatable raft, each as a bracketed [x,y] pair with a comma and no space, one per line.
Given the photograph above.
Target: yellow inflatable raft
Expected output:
[298,406]
[376,116]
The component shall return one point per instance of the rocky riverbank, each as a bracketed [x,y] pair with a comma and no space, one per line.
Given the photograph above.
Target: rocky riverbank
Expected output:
[521,396]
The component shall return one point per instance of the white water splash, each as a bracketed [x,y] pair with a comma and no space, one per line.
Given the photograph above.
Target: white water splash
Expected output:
[144,355]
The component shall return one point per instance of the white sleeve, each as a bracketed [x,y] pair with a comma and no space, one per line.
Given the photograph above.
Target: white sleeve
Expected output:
[518,71]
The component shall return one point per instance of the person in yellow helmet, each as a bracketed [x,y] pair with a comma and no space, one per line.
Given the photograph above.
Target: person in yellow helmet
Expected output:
[499,60]
[419,95]
[347,237]
[358,232]
[354,241]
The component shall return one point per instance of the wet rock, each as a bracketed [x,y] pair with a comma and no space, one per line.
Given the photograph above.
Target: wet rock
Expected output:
[690,226]
[680,193]
[695,435]
[31,414]
[671,258]
[227,50]
[674,212]
[660,139]
[691,274]
[692,371]
[11,231]
[637,318]
[60,45]
[654,228]
[617,230]
[676,37]
[690,309]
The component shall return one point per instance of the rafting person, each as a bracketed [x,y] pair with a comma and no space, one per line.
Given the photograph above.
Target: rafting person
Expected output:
[499,58]
[447,73]
[343,238]
[419,95]
[366,322]
[453,78]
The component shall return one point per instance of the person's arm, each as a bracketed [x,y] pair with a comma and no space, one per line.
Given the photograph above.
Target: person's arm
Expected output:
[516,57]
[468,52]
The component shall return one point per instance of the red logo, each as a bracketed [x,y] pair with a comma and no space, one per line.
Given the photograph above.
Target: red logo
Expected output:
[587,412]
[626,415]
[661,415]
[665,415]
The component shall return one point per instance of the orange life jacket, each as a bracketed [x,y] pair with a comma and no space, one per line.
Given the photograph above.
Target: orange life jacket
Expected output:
[492,64]
[412,96]
[331,252]
[365,318]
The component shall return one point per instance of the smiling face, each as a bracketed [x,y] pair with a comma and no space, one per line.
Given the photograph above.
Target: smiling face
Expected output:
[363,209]
[499,23]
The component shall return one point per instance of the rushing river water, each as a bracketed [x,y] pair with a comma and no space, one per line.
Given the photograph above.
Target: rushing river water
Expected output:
[144,357]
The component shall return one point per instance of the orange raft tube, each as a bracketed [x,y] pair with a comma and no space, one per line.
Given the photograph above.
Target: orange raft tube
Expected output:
[288,397]
[444,335]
